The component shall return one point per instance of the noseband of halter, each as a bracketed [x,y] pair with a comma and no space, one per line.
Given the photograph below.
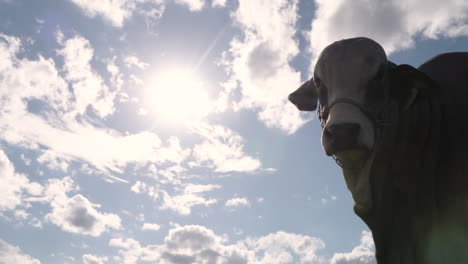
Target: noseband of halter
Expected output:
[378,120]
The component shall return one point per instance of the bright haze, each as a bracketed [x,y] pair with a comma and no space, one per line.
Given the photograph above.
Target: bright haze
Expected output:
[159,131]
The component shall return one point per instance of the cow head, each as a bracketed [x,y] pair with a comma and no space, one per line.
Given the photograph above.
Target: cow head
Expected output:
[356,90]
[351,89]
[350,84]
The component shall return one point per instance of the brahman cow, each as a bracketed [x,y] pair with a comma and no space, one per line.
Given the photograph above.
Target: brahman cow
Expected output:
[400,135]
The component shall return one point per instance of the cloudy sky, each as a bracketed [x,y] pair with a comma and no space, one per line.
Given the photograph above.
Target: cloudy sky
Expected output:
[158,131]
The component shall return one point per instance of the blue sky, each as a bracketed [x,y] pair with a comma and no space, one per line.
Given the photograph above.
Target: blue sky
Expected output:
[158,131]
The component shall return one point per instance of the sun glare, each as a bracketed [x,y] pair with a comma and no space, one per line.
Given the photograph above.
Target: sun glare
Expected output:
[177,96]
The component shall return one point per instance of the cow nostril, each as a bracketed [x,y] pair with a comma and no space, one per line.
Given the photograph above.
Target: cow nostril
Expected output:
[342,136]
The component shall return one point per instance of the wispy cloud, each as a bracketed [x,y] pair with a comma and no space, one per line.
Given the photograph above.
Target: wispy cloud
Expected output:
[15,185]
[222,149]
[218,3]
[192,195]
[131,61]
[117,12]
[193,5]
[13,254]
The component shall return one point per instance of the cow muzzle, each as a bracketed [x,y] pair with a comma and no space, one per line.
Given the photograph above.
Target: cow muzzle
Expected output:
[340,137]
[342,141]
[348,135]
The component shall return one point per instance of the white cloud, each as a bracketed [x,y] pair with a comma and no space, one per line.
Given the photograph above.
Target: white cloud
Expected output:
[115,11]
[184,197]
[151,226]
[10,254]
[139,187]
[23,79]
[91,259]
[192,195]
[21,214]
[116,76]
[394,24]
[237,202]
[53,161]
[80,140]
[130,249]
[282,247]
[88,86]
[135,61]
[118,11]
[218,3]
[198,244]
[76,214]
[193,5]
[63,137]
[260,61]
[362,254]
[222,149]
[14,185]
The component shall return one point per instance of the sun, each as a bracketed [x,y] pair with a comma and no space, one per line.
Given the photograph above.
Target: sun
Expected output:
[177,96]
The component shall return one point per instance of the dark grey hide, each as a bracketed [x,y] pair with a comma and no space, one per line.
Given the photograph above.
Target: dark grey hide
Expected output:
[401,137]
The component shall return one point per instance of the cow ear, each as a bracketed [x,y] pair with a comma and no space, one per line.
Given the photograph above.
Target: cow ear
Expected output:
[407,83]
[305,98]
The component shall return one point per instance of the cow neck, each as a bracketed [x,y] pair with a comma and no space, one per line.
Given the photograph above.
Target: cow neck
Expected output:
[402,182]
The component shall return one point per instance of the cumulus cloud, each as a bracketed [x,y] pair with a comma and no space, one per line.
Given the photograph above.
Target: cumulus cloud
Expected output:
[88,87]
[222,149]
[91,259]
[282,247]
[23,79]
[130,249]
[198,244]
[362,254]
[76,214]
[15,186]
[12,254]
[259,61]
[237,202]
[394,24]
